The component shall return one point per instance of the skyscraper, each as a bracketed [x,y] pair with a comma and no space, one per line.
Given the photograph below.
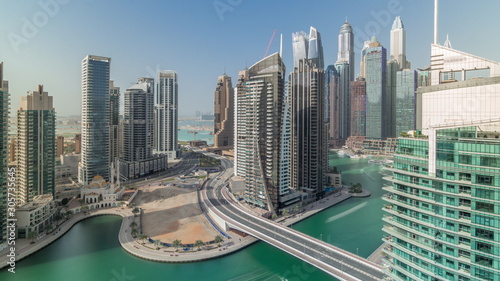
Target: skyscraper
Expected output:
[398,43]
[138,121]
[332,111]
[358,107]
[346,48]
[224,113]
[362,63]
[5,178]
[404,117]
[36,126]
[376,76]
[95,118]
[261,110]
[114,114]
[59,146]
[309,135]
[389,115]
[315,51]
[166,114]
[78,143]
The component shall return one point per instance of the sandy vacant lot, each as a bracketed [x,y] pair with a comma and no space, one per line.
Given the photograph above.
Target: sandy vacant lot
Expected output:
[173,213]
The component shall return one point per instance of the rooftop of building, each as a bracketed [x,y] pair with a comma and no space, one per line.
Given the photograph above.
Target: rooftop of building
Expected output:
[38,201]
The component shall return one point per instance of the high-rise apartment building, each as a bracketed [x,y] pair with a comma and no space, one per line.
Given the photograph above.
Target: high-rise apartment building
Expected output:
[166,114]
[138,121]
[398,44]
[224,113]
[376,77]
[36,126]
[389,115]
[358,107]
[442,208]
[346,48]
[307,47]
[406,88]
[114,114]
[309,148]
[95,119]
[261,109]
[5,178]
[332,111]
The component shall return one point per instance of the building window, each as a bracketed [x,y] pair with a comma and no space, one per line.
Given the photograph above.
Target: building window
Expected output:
[484,247]
[485,234]
[482,179]
[490,161]
[483,274]
[465,189]
[465,159]
[485,193]
[485,261]
[485,207]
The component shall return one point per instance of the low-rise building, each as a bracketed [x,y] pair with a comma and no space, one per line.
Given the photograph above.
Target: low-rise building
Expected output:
[35,215]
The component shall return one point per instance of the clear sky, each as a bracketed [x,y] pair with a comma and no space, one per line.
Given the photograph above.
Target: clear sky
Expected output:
[44,41]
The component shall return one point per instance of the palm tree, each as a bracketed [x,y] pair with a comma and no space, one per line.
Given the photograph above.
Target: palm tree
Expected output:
[135,211]
[121,203]
[57,218]
[48,228]
[134,232]
[143,237]
[199,244]
[85,208]
[32,236]
[133,224]
[296,209]
[274,216]
[176,243]
[285,212]
[68,214]
[157,244]
[218,239]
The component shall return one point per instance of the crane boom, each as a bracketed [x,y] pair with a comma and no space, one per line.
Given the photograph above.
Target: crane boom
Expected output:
[270,43]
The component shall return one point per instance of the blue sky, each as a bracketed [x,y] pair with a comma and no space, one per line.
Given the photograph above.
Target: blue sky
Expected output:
[44,41]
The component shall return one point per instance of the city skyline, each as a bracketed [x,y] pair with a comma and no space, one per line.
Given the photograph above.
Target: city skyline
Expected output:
[55,24]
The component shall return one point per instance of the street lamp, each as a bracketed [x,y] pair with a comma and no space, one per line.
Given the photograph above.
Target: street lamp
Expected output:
[321,236]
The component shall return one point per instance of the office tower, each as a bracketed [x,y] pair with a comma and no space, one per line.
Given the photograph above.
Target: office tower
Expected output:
[300,45]
[166,114]
[224,113]
[261,110]
[315,50]
[59,146]
[114,113]
[376,76]
[398,44]
[362,63]
[442,208]
[138,121]
[332,111]
[346,48]
[307,47]
[95,119]
[358,107]
[406,88]
[36,126]
[5,178]
[309,135]
[78,143]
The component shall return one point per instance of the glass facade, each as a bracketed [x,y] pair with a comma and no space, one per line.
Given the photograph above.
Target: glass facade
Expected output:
[406,85]
[376,77]
[95,118]
[444,226]
[4,134]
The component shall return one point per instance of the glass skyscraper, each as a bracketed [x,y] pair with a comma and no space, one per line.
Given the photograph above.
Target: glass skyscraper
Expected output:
[406,82]
[95,118]
[376,79]
[442,212]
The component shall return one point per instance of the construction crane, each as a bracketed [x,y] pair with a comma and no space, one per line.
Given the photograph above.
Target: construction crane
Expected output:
[194,133]
[270,43]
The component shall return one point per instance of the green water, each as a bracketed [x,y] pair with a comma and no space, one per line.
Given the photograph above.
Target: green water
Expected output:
[91,251]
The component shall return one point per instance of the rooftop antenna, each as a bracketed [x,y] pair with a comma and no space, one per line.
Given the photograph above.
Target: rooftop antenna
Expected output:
[435,22]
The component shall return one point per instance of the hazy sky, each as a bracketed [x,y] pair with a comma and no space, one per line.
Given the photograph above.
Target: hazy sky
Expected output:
[44,41]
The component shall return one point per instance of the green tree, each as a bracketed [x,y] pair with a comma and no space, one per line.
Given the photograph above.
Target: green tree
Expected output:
[57,218]
[176,243]
[356,188]
[133,224]
[48,227]
[65,201]
[121,203]
[274,216]
[134,232]
[32,236]
[157,244]
[135,211]
[218,239]
[285,212]
[85,208]
[199,244]
[296,209]
[143,237]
